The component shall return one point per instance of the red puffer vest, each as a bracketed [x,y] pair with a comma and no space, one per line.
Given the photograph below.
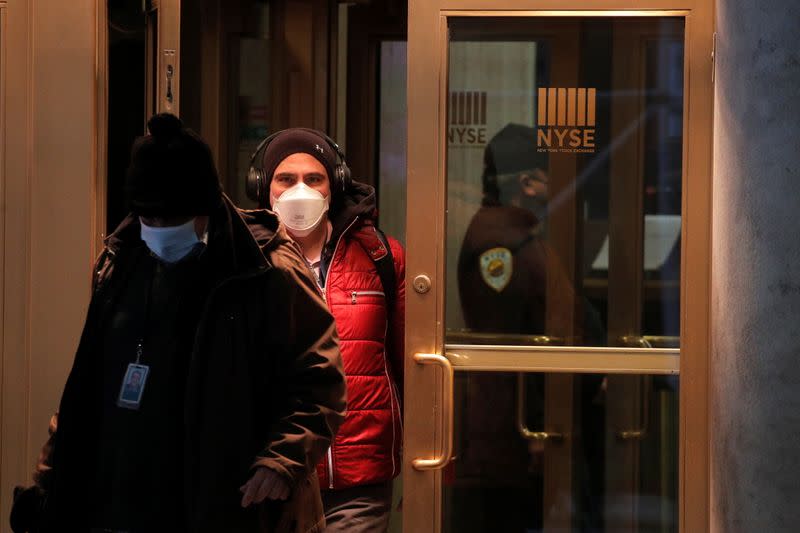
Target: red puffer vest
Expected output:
[367,448]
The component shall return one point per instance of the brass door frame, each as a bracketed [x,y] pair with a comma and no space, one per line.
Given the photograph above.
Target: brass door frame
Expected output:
[100,189]
[427,120]
[48,96]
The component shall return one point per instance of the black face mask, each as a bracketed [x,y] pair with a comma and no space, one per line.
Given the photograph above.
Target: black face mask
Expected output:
[536,204]
[510,192]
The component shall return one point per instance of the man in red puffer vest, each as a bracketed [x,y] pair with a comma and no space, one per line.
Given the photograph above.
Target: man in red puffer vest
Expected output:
[301,175]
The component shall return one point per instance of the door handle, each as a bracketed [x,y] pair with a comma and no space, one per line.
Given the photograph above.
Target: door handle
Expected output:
[641,432]
[170,72]
[650,341]
[481,338]
[522,416]
[447,412]
[522,393]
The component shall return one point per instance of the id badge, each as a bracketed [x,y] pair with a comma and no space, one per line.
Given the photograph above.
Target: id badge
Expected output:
[130,393]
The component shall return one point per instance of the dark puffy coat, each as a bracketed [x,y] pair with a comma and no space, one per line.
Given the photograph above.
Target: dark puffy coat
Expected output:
[265,386]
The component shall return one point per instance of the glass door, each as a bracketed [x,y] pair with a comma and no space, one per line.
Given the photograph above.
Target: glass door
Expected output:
[549,177]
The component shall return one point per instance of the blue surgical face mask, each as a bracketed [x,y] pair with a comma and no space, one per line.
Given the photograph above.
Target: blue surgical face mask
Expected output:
[170,244]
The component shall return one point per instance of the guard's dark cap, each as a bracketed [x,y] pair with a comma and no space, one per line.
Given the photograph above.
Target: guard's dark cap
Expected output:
[513,149]
[172,172]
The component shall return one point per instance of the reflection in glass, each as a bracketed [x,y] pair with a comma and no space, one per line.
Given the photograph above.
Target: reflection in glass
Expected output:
[608,460]
[564,154]
[392,150]
[392,139]
[251,84]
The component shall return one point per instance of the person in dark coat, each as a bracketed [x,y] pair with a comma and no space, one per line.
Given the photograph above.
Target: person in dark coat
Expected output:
[241,388]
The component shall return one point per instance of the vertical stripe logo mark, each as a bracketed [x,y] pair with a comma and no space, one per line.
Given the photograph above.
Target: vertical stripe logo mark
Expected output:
[467,119]
[468,108]
[566,118]
[573,106]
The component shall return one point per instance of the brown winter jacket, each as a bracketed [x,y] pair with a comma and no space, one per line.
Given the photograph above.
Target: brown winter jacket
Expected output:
[265,386]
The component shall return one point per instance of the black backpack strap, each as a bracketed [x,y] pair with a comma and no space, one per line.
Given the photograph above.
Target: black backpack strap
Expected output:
[386,271]
[376,244]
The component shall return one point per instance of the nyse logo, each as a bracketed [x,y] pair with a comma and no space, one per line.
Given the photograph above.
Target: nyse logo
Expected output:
[566,119]
[467,126]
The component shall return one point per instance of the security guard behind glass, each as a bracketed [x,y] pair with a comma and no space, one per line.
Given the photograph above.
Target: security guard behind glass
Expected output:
[505,269]
[504,260]
[502,271]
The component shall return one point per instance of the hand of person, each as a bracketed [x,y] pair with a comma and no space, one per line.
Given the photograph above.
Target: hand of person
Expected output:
[264,483]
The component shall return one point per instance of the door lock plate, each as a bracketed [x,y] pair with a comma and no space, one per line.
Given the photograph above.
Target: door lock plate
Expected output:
[422,284]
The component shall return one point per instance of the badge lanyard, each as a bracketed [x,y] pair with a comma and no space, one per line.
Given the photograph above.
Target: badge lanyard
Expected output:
[132,388]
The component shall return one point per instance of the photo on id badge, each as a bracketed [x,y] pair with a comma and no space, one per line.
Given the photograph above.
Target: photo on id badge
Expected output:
[130,393]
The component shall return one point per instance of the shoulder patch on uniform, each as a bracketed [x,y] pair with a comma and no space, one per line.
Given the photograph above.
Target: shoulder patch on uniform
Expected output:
[497,266]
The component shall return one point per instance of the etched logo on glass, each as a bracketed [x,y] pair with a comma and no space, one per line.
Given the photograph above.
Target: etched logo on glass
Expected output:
[566,119]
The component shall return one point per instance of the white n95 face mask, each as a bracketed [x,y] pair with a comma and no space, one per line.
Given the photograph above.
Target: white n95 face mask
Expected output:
[171,244]
[300,208]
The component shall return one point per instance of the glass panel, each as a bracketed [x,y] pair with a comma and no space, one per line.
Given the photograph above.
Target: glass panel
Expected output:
[127,65]
[564,181]
[251,84]
[392,147]
[152,62]
[610,464]
[392,150]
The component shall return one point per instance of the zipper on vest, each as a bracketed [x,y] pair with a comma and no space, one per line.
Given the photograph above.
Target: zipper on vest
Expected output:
[330,467]
[355,294]
[325,297]
[333,258]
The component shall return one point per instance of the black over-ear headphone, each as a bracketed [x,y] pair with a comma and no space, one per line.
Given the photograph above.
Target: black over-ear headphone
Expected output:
[257,186]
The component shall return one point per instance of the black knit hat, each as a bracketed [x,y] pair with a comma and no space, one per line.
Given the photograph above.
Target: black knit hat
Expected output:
[171,172]
[299,140]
